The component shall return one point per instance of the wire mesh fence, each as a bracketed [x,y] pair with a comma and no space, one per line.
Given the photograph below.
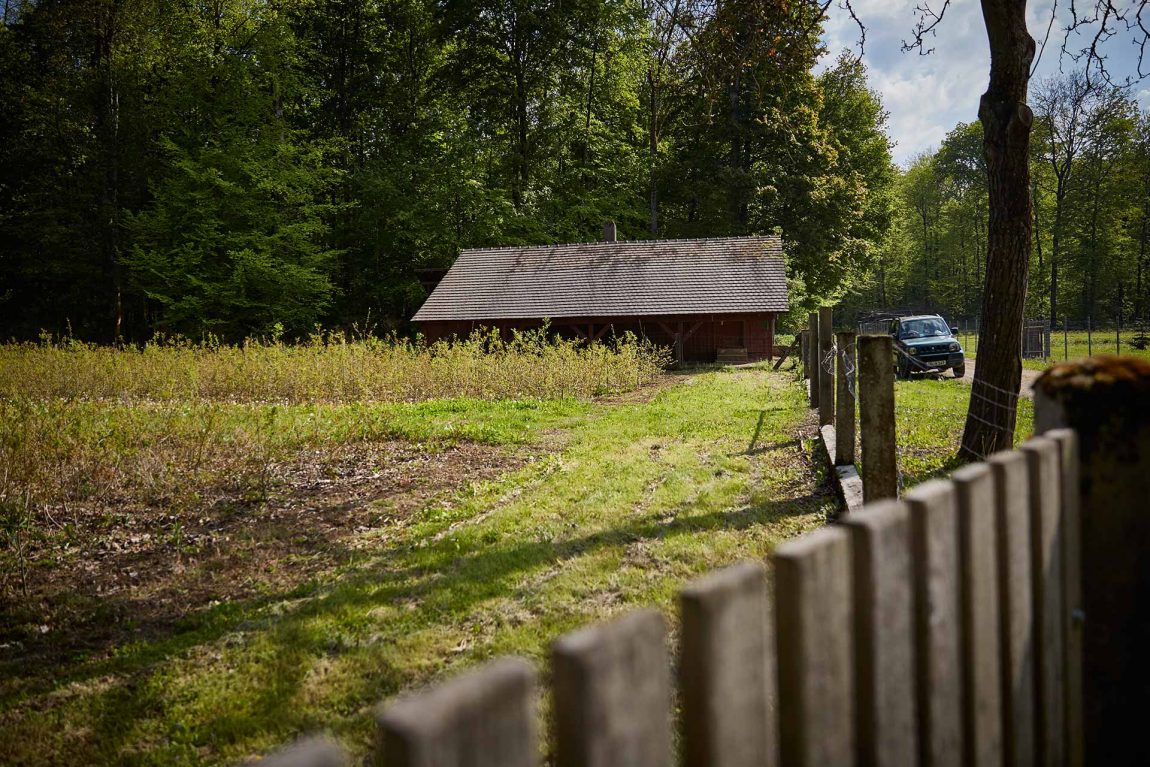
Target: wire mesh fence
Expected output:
[1043,342]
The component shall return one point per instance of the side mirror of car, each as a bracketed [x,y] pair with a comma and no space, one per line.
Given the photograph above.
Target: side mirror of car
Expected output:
[954,331]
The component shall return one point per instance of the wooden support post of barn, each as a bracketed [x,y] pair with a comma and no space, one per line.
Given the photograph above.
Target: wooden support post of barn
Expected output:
[826,367]
[846,386]
[876,417]
[813,359]
[1107,402]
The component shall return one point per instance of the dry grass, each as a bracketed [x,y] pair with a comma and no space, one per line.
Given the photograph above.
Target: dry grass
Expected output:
[330,368]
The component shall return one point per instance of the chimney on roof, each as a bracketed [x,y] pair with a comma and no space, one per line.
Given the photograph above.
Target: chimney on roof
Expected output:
[609,231]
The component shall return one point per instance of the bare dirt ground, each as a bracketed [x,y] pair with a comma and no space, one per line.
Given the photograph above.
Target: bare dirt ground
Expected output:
[1028,379]
[135,573]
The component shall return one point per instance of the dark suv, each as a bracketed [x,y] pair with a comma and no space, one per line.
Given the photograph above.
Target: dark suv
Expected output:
[926,343]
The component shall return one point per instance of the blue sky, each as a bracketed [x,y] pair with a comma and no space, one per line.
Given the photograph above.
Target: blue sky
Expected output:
[928,95]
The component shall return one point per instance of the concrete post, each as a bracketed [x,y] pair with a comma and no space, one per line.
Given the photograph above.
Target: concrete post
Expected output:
[1106,400]
[804,352]
[876,417]
[826,367]
[813,357]
[845,399]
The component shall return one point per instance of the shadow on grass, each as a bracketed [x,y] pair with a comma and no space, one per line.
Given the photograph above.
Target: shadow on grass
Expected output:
[444,583]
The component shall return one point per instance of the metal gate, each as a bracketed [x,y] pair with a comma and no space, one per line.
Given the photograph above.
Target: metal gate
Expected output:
[1035,339]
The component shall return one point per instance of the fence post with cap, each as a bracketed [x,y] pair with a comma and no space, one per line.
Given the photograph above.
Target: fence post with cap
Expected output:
[826,367]
[845,399]
[876,417]
[1106,401]
[813,354]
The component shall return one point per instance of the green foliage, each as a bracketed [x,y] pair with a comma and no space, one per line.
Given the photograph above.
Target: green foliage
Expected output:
[330,368]
[1090,172]
[233,243]
[231,167]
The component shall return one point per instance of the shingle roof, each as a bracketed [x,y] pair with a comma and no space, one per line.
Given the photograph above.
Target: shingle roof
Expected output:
[612,279]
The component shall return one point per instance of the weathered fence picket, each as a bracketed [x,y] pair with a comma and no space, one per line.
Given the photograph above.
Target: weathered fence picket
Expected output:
[1071,592]
[816,668]
[980,617]
[1042,457]
[1012,502]
[884,636]
[727,670]
[612,699]
[485,717]
[934,552]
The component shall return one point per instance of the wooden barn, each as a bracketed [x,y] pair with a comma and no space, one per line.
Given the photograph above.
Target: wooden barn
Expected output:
[710,299]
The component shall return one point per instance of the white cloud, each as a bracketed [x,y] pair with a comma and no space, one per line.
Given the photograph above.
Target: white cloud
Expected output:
[928,95]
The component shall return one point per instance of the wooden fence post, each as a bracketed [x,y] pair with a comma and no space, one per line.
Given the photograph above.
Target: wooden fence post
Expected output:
[845,399]
[813,354]
[727,670]
[613,694]
[804,352]
[884,634]
[1107,402]
[1015,599]
[876,417]
[1042,456]
[826,367]
[484,717]
[814,620]
[934,537]
[978,603]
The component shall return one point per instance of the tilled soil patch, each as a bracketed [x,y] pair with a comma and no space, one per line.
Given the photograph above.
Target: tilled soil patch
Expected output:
[102,575]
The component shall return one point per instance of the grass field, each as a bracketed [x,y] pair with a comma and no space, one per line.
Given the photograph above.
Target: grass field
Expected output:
[930,414]
[1073,345]
[196,579]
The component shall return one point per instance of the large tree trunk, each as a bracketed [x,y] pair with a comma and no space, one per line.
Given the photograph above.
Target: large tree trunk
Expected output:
[1006,121]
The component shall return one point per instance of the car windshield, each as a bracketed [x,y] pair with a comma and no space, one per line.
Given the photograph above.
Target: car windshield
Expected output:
[931,326]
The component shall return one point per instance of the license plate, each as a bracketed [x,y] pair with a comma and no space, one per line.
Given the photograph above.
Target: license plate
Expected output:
[936,364]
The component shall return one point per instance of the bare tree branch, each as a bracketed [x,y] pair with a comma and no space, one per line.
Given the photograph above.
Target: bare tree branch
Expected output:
[927,26]
[1046,38]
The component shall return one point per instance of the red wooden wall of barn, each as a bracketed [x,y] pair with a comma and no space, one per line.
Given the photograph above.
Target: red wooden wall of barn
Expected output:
[705,335]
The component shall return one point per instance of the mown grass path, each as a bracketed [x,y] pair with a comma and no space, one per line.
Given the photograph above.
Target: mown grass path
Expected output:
[629,500]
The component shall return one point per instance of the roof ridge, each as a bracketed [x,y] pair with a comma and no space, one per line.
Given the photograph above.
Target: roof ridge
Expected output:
[556,245]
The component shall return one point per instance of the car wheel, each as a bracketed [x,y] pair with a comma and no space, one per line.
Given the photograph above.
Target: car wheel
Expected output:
[960,370]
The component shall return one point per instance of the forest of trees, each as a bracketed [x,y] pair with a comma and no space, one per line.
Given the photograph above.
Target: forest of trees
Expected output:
[1090,181]
[241,168]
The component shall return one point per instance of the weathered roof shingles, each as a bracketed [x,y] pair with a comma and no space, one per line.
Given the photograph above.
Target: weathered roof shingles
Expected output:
[612,279]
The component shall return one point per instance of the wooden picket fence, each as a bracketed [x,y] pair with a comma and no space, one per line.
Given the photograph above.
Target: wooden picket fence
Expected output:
[938,629]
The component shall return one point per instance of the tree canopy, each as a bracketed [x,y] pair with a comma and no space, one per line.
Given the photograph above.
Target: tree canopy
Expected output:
[237,168]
